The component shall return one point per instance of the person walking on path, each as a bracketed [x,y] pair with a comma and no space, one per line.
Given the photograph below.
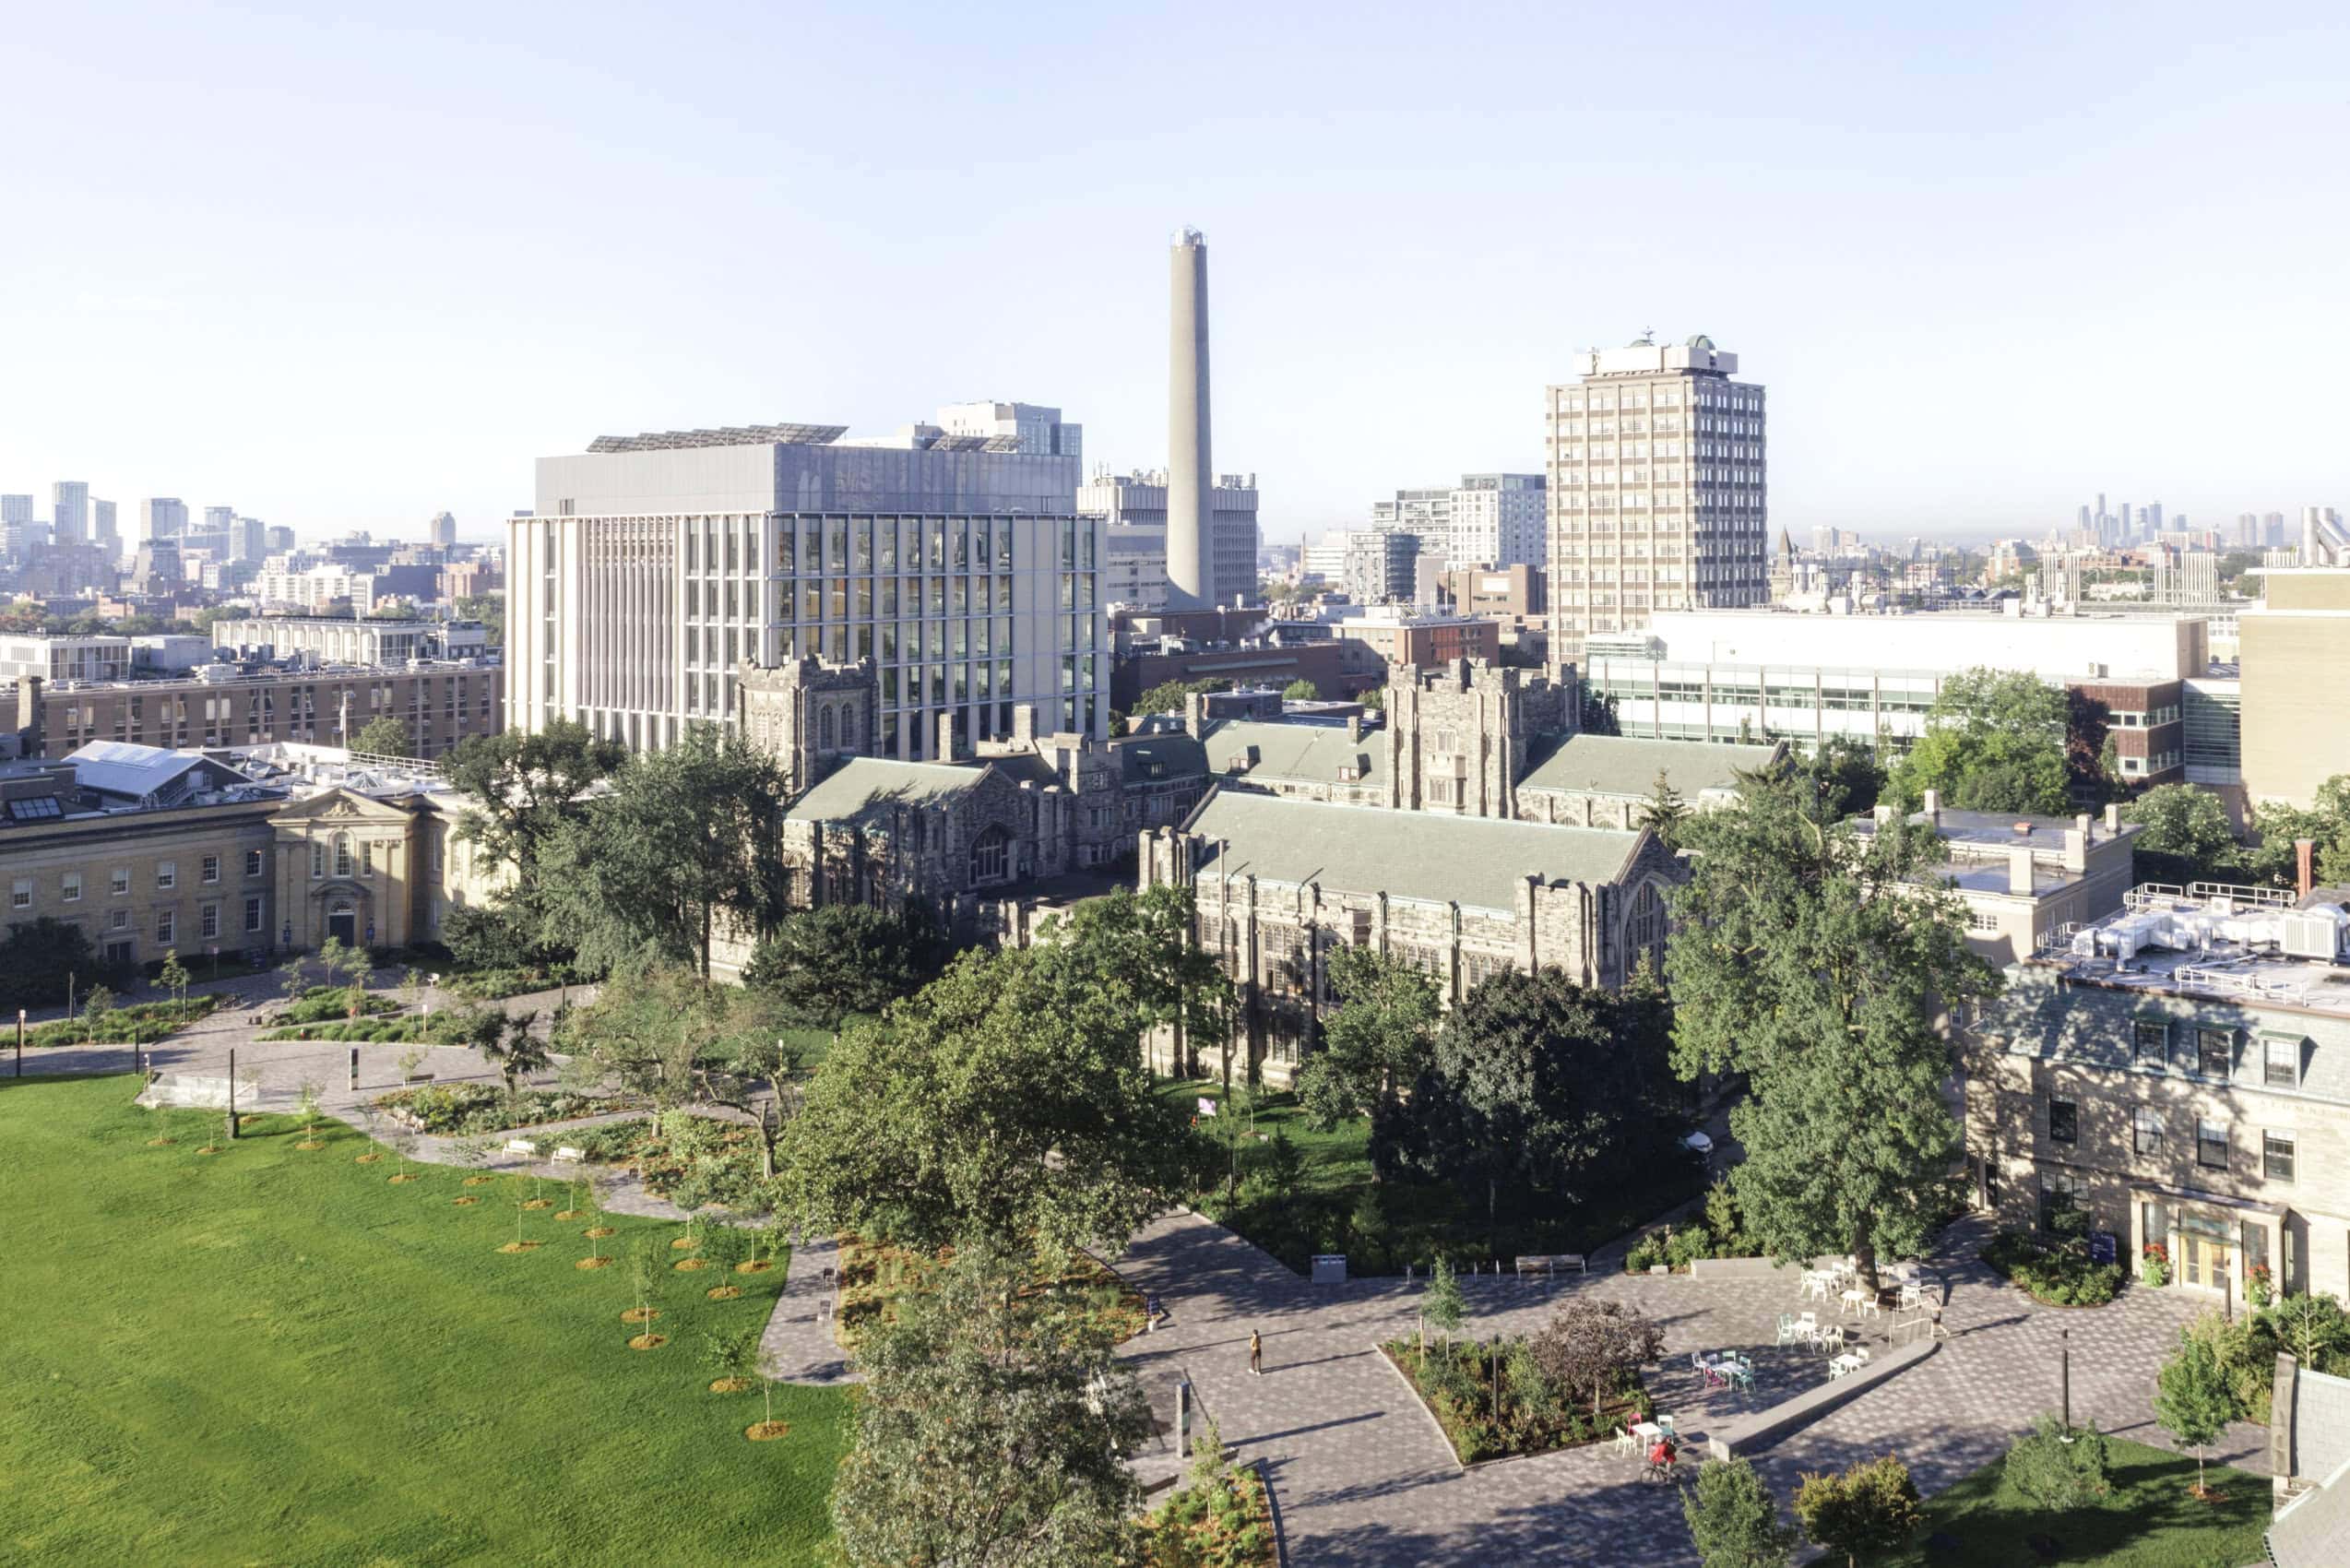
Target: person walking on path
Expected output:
[1257,1353]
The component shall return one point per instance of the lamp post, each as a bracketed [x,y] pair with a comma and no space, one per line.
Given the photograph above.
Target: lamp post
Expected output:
[2064,1353]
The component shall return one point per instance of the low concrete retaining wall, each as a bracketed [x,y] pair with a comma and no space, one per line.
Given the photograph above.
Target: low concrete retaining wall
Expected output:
[1752,1434]
[1742,1268]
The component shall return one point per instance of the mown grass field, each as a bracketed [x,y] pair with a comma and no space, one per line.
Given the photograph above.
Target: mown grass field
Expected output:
[273,1356]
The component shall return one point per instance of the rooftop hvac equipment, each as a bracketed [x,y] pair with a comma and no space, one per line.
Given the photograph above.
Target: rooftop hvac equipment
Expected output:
[2315,932]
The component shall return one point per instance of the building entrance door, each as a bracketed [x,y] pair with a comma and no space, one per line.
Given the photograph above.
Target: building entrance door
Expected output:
[343,925]
[2208,1262]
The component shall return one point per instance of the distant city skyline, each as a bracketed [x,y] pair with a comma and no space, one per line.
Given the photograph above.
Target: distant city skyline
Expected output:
[1953,239]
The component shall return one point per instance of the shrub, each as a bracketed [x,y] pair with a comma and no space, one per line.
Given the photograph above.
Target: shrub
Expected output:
[1733,1521]
[1687,1244]
[2058,1468]
[2154,1267]
[1647,1252]
[1871,1506]
[2060,1276]
[482,1108]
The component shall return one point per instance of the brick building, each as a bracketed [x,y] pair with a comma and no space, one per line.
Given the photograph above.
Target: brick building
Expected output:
[441,704]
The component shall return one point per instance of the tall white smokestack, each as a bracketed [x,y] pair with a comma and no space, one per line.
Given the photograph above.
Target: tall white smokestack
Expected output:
[1191,465]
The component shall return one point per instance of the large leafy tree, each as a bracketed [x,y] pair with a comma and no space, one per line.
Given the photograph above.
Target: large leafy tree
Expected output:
[1815,960]
[1376,1041]
[826,963]
[1592,1348]
[384,735]
[1148,940]
[2325,822]
[1734,1521]
[2187,836]
[524,787]
[41,958]
[989,1431]
[658,1030]
[1007,1100]
[1995,740]
[1846,773]
[1540,1085]
[1871,1506]
[679,849]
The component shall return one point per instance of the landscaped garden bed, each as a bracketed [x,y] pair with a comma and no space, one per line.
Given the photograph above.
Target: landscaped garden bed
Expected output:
[1223,1519]
[874,1274]
[2059,1274]
[496,985]
[333,1004]
[474,1108]
[1575,1382]
[146,1020]
[367,1031]
[1720,1234]
[692,1160]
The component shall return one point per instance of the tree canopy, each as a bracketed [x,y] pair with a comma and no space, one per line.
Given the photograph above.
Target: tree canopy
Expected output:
[2187,839]
[678,851]
[1995,740]
[1145,938]
[989,1430]
[383,736]
[826,963]
[1538,1085]
[1813,960]
[1377,1040]
[1007,1100]
[1168,696]
[525,786]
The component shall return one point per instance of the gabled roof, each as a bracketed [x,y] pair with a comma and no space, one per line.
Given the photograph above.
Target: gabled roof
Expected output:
[1308,753]
[1479,861]
[1620,764]
[864,790]
[1145,759]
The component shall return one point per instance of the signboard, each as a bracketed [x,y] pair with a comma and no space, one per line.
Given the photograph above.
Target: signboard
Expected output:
[1330,1268]
[2103,1247]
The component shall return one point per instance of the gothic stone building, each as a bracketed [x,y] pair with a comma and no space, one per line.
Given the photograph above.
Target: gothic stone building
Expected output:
[1279,884]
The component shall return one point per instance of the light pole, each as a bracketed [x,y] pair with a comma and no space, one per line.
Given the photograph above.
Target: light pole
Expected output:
[2064,1354]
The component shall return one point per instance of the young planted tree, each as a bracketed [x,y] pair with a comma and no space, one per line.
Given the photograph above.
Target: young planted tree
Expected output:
[521,1191]
[733,1361]
[645,1275]
[97,1013]
[173,975]
[1869,1508]
[1441,1304]
[306,1106]
[2193,1398]
[1597,1347]
[1734,1521]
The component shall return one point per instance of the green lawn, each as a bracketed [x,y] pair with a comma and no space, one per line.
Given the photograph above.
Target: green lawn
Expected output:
[2147,1521]
[1337,1208]
[268,1356]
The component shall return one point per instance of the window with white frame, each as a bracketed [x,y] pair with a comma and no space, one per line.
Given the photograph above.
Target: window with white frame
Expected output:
[166,925]
[2280,1061]
[2211,1145]
[252,862]
[167,873]
[252,914]
[211,868]
[2277,1156]
[209,921]
[20,894]
[2146,1130]
[69,887]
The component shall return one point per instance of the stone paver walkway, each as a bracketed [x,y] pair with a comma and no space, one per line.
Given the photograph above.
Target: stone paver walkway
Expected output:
[1363,1477]
[798,1346]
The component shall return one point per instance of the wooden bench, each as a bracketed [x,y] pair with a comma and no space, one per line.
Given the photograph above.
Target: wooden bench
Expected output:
[568,1155]
[1550,1263]
[521,1146]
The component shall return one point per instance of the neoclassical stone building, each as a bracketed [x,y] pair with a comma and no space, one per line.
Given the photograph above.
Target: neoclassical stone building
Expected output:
[1279,884]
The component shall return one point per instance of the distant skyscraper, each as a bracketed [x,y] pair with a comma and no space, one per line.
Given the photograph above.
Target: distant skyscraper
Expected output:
[102,532]
[16,510]
[443,532]
[69,511]
[1657,498]
[1016,427]
[162,516]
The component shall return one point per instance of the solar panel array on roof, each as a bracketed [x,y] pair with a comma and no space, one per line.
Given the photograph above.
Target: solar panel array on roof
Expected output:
[725,435]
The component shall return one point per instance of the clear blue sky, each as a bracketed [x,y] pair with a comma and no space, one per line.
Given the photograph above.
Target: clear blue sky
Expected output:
[344,273]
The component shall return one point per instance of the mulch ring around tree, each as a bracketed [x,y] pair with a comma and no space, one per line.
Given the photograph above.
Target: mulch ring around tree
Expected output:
[756,1265]
[685,1244]
[478,1181]
[733,1385]
[640,1315]
[405,1176]
[591,1263]
[723,1292]
[311,1145]
[367,1159]
[686,1265]
[648,1342]
[521,1246]
[540,1202]
[160,1142]
[570,1214]
[461,1203]
[597,1232]
[766,1432]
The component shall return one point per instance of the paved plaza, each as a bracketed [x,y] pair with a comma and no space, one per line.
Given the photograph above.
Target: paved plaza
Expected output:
[1361,1475]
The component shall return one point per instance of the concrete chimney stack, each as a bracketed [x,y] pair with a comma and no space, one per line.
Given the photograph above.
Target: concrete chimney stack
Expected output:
[1191,463]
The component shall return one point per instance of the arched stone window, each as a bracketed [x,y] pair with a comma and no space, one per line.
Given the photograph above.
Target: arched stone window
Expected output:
[848,729]
[1645,925]
[823,730]
[992,856]
[342,854]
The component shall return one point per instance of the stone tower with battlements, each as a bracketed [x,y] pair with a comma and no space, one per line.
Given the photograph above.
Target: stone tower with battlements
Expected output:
[1460,735]
[807,714]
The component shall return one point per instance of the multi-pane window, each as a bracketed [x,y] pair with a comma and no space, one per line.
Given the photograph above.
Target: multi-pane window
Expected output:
[252,914]
[2064,1122]
[2281,1063]
[20,894]
[2215,1049]
[69,887]
[211,920]
[252,862]
[2150,1041]
[166,925]
[2059,1192]
[2277,1156]
[167,873]
[211,868]
[2211,1145]
[2146,1130]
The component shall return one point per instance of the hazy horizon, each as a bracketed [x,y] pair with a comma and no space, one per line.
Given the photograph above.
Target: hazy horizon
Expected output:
[345,274]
